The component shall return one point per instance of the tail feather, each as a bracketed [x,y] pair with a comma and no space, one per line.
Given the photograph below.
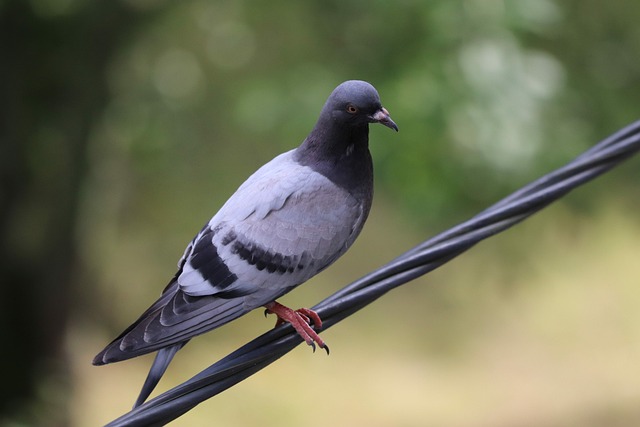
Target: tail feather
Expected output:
[161,327]
[160,364]
[169,323]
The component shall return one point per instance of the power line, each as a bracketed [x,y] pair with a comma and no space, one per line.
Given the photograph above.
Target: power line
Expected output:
[414,263]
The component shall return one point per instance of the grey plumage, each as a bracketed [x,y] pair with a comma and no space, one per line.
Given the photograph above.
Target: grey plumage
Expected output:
[288,221]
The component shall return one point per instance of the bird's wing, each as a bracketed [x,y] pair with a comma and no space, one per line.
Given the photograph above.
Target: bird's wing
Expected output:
[282,226]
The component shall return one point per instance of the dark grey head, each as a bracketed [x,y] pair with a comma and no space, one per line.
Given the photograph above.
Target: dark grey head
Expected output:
[355,103]
[338,145]
[343,126]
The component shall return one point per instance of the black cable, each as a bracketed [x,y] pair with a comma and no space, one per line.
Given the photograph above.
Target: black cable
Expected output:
[414,263]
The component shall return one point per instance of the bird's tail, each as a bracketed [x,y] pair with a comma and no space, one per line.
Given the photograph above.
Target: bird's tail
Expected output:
[160,364]
[172,320]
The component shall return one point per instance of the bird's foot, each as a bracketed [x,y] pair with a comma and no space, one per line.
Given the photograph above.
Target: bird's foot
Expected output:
[301,321]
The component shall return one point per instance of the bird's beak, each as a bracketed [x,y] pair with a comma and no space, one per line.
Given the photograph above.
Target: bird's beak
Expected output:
[382,116]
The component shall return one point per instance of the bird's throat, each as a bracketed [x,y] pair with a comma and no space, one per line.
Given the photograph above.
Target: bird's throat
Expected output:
[343,157]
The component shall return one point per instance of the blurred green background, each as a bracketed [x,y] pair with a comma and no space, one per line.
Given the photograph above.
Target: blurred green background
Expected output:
[125,124]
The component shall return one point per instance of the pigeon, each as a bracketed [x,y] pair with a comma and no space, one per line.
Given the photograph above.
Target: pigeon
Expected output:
[288,221]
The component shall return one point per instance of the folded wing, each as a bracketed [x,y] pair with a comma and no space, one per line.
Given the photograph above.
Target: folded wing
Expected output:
[281,227]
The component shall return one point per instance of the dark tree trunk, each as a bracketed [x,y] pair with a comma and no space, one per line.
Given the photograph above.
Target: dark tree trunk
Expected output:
[52,89]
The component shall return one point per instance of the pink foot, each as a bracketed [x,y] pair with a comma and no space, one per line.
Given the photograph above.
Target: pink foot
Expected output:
[301,320]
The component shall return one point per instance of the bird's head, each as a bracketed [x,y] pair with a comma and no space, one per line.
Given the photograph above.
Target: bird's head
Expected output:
[356,103]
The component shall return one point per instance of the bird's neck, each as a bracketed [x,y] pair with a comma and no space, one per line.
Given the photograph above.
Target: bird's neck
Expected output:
[340,153]
[331,141]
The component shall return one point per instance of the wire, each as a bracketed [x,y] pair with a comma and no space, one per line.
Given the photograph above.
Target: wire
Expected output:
[414,263]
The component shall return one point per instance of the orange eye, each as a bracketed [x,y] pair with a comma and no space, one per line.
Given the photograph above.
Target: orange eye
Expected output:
[352,109]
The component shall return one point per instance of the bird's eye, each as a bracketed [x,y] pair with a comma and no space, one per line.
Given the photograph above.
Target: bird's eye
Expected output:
[352,109]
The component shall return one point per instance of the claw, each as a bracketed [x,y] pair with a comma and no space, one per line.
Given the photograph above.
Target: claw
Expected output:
[311,316]
[301,321]
[279,320]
